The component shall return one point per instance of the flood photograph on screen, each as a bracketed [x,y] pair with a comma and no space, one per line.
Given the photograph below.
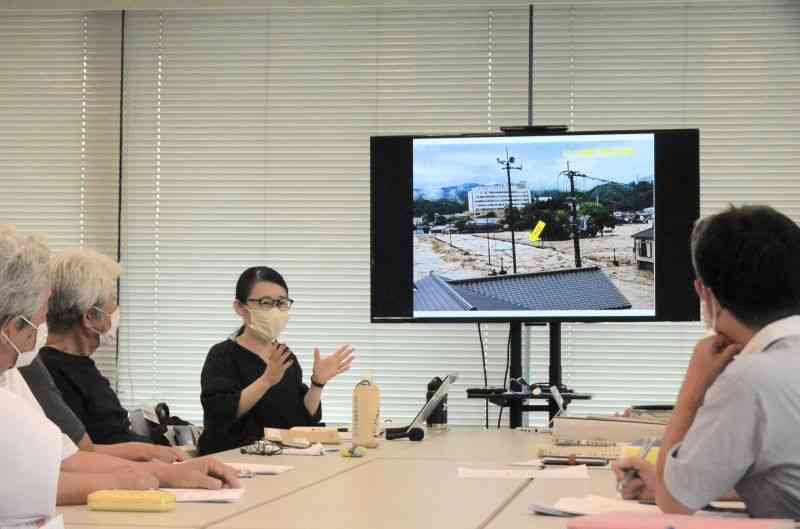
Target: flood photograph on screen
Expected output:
[551,225]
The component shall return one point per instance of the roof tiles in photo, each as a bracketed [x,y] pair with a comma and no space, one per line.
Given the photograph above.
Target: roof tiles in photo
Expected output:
[571,289]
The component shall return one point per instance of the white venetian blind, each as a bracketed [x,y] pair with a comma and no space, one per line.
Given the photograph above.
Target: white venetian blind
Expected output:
[59,109]
[196,210]
[731,69]
[247,143]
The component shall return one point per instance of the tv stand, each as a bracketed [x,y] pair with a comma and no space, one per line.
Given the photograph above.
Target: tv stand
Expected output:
[516,401]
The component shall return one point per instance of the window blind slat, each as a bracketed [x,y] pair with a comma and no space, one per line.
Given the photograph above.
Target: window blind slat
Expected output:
[59,106]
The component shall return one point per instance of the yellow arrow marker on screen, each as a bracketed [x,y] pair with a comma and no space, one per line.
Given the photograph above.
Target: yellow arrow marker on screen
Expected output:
[536,232]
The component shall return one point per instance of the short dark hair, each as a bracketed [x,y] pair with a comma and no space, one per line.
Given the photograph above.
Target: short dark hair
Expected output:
[257,274]
[750,259]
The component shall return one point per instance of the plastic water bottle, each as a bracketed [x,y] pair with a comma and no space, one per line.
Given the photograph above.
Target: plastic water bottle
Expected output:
[366,408]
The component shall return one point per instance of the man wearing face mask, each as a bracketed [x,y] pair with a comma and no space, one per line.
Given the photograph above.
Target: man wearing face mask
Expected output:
[82,317]
[733,432]
[31,447]
[251,381]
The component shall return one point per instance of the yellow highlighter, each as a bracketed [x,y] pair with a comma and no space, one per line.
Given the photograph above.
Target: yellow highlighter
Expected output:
[131,501]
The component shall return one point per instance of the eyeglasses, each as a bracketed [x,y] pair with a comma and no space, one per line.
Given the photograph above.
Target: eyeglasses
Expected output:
[269,303]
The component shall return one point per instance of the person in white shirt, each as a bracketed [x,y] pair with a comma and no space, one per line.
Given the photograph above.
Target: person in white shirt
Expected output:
[30,451]
[32,447]
[733,433]
[73,475]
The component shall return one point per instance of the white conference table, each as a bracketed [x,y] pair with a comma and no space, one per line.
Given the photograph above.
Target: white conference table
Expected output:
[401,484]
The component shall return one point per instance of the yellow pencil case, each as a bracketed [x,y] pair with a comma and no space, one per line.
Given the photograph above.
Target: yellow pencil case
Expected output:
[131,501]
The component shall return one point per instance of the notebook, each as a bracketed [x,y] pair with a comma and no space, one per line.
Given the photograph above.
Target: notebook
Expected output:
[675,521]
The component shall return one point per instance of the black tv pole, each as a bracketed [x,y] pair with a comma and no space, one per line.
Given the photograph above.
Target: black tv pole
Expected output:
[515,326]
[508,165]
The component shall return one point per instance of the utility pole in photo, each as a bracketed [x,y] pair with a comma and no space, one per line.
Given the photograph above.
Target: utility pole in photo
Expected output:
[488,243]
[508,165]
[576,236]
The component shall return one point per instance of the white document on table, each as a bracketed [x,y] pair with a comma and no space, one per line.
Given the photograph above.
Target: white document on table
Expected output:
[592,504]
[570,472]
[259,469]
[206,496]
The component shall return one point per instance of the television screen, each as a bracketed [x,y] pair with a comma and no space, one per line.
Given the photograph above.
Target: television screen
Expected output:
[555,227]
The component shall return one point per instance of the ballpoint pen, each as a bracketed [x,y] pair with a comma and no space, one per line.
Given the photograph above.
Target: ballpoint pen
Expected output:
[647,445]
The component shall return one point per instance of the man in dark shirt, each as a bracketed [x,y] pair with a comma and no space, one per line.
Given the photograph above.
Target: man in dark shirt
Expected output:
[50,399]
[90,396]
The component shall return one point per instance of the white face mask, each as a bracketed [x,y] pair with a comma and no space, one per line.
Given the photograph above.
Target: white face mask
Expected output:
[24,358]
[109,337]
[41,337]
[709,312]
[268,324]
[709,318]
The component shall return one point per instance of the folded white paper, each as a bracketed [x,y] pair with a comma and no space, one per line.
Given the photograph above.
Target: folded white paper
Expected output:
[259,469]
[592,504]
[569,472]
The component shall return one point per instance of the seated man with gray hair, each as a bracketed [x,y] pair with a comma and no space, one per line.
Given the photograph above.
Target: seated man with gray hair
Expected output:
[82,316]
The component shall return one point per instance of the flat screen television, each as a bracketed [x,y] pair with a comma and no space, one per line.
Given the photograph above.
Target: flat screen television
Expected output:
[568,226]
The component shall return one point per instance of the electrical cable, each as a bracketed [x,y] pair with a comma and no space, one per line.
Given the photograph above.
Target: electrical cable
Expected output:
[505,375]
[485,376]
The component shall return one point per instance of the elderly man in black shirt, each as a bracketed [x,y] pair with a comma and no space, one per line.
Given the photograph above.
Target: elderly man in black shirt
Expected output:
[82,316]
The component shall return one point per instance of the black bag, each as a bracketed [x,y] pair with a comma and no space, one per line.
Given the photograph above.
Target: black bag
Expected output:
[158,431]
